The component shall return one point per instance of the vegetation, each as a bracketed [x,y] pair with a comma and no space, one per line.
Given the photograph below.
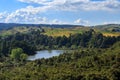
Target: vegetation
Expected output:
[18,54]
[85,64]
[55,32]
[94,56]
[36,41]
[58,30]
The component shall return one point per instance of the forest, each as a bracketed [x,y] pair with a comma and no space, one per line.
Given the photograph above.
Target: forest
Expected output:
[95,57]
[34,41]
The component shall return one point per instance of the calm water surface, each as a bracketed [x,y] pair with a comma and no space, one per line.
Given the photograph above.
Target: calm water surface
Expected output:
[45,54]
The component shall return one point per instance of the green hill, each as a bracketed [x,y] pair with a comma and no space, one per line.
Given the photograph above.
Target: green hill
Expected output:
[59,30]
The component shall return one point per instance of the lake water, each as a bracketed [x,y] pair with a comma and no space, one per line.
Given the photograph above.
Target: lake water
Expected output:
[45,54]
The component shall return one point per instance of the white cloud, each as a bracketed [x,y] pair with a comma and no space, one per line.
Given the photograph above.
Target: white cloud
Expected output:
[102,5]
[3,16]
[56,21]
[81,22]
[78,4]
[26,15]
[36,1]
[30,14]
[112,22]
[77,21]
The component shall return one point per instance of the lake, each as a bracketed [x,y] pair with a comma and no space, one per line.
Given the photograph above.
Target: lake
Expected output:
[45,54]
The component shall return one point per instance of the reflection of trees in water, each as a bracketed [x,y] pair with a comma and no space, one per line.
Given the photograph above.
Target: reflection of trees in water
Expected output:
[50,51]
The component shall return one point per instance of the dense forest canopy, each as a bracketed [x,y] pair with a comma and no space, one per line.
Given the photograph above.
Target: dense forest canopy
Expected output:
[34,40]
[82,64]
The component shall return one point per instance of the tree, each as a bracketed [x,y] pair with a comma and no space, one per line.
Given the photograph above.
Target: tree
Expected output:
[23,57]
[28,49]
[15,53]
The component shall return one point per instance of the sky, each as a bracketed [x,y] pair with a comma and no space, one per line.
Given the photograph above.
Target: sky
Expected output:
[76,12]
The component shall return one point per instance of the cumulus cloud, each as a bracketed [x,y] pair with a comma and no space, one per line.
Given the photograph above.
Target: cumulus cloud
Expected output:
[31,13]
[81,22]
[108,5]
[78,4]
[56,21]
[36,1]
[25,17]
[3,16]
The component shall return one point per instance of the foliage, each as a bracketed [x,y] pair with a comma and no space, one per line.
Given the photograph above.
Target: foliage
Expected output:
[18,54]
[23,57]
[82,64]
[34,40]
[92,57]
[15,53]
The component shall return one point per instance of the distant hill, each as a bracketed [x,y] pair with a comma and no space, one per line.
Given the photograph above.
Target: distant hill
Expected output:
[108,27]
[10,25]
[57,30]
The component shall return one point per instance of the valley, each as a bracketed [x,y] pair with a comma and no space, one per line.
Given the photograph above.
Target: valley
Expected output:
[92,53]
[59,39]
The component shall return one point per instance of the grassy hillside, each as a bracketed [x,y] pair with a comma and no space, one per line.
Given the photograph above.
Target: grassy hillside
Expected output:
[64,31]
[111,33]
[106,30]
[21,29]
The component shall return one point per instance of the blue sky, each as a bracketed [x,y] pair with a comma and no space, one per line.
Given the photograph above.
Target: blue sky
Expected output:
[80,12]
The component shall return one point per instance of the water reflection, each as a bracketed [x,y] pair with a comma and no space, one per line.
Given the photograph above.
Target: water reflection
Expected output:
[45,54]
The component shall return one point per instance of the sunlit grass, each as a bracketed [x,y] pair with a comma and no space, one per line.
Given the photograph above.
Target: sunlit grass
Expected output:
[55,32]
[111,34]
[63,31]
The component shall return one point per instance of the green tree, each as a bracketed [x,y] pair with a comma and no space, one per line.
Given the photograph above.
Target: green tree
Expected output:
[15,53]
[23,57]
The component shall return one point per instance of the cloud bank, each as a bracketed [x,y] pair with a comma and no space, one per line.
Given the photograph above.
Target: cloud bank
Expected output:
[31,14]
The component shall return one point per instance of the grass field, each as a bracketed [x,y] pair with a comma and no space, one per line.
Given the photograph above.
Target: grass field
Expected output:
[67,31]
[64,31]
[54,32]
[111,34]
